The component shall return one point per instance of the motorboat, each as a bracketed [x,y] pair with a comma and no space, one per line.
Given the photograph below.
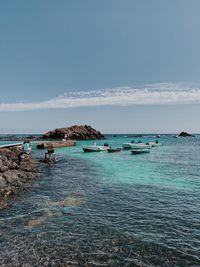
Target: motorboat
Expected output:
[154,144]
[113,150]
[94,148]
[140,146]
[127,145]
[140,151]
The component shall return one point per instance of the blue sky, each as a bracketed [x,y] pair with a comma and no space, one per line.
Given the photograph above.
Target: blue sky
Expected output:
[120,66]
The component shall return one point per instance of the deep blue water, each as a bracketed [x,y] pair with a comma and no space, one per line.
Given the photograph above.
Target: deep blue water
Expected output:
[122,210]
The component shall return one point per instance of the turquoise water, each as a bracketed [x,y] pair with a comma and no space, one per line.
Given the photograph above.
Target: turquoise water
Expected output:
[120,209]
[174,164]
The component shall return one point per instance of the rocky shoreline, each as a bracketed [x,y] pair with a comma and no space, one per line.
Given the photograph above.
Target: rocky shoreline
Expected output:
[15,175]
[18,174]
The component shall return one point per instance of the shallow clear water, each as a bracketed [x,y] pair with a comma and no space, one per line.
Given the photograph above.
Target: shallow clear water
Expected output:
[122,209]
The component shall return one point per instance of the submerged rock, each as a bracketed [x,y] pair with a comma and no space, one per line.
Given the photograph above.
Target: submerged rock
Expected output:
[76,132]
[73,201]
[68,202]
[33,222]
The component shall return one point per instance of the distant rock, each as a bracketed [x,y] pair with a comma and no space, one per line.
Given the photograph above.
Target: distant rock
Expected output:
[136,136]
[185,134]
[76,132]
[19,138]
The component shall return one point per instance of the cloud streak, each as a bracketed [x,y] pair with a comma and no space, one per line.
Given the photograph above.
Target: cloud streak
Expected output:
[151,94]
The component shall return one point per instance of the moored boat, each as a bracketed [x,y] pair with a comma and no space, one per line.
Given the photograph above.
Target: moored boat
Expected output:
[136,145]
[140,151]
[94,148]
[140,146]
[127,145]
[154,144]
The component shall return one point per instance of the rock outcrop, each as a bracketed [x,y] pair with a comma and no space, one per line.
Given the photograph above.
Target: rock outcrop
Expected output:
[185,134]
[82,132]
[15,174]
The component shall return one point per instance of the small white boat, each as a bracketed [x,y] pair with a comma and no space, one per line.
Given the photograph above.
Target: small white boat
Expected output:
[127,145]
[136,145]
[140,146]
[154,144]
[94,148]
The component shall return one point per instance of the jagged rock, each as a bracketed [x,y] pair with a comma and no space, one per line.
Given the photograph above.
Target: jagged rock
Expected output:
[82,132]
[3,203]
[185,134]
[3,168]
[10,176]
[3,182]
[8,191]
[13,165]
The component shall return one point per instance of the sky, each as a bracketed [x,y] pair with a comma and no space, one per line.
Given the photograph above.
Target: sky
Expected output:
[121,66]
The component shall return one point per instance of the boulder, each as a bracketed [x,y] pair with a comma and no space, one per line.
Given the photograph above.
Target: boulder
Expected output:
[76,132]
[3,168]
[10,176]
[3,182]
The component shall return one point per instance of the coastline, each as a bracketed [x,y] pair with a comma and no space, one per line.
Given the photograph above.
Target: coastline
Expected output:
[15,175]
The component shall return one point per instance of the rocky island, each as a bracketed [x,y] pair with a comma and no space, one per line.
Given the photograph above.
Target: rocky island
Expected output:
[15,175]
[185,134]
[76,132]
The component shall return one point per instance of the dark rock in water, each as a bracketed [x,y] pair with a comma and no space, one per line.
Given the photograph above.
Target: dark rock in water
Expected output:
[76,132]
[185,134]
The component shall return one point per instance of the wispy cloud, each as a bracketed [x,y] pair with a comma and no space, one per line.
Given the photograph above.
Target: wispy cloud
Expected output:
[151,94]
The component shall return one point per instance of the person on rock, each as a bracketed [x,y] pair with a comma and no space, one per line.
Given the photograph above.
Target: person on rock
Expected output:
[26,151]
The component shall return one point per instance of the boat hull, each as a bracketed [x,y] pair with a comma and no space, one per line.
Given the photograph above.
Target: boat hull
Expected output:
[127,146]
[114,150]
[140,151]
[94,148]
[91,150]
[140,146]
[135,146]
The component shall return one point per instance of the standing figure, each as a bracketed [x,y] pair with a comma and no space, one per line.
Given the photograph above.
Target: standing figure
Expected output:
[50,156]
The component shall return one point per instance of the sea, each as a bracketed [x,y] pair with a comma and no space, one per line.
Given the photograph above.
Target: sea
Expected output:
[109,209]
